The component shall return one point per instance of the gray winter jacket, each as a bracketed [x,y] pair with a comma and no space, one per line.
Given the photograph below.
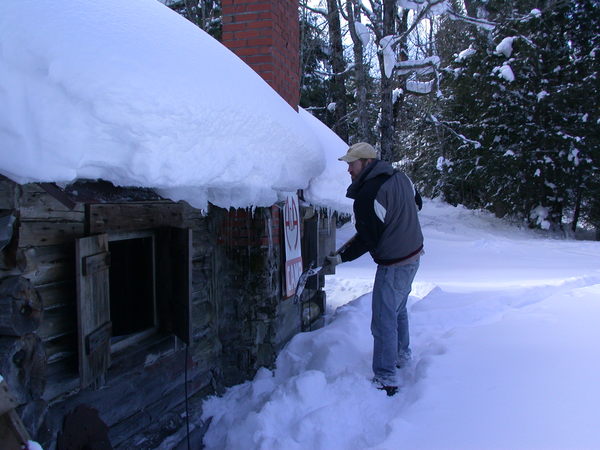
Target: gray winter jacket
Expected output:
[387,223]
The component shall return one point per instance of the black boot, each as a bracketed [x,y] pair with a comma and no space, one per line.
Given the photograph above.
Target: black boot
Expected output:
[389,390]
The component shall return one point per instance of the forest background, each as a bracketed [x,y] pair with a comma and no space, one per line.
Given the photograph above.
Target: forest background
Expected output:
[491,104]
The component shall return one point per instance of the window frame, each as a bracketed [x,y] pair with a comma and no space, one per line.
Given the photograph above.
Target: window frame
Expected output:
[173,254]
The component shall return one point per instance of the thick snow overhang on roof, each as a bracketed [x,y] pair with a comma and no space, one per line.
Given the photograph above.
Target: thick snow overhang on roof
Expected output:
[328,189]
[132,93]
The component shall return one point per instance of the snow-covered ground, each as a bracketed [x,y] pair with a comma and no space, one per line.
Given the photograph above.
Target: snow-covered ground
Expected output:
[505,326]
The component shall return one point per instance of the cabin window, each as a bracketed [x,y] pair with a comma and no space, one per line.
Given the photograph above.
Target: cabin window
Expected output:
[130,285]
[133,309]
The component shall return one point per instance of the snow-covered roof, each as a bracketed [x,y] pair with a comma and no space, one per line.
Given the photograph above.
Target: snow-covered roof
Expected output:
[132,93]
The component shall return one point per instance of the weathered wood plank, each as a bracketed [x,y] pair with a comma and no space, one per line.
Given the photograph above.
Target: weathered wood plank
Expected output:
[98,338]
[58,321]
[33,233]
[181,301]
[162,417]
[20,307]
[37,205]
[48,264]
[59,293]
[13,434]
[7,400]
[8,193]
[61,347]
[31,188]
[23,364]
[192,217]
[128,393]
[93,311]
[94,263]
[58,194]
[144,354]
[121,217]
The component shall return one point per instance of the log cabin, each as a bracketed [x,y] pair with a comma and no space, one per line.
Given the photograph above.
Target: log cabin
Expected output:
[121,309]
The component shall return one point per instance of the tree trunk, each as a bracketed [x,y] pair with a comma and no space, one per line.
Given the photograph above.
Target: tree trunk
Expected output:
[471,7]
[577,213]
[386,122]
[338,65]
[23,365]
[20,307]
[360,76]
[402,51]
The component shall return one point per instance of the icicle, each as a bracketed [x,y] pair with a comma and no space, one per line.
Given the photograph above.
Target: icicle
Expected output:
[270,232]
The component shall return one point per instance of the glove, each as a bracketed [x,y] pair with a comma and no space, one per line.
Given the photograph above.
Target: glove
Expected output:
[332,260]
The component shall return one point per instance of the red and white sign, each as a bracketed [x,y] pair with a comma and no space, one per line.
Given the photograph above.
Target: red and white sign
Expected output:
[293,251]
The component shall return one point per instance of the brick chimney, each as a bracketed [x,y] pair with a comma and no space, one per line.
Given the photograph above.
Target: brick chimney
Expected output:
[266,35]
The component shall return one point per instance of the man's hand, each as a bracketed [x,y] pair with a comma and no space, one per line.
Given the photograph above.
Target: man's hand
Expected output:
[332,260]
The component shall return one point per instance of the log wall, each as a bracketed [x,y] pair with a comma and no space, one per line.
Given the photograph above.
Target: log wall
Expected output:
[239,320]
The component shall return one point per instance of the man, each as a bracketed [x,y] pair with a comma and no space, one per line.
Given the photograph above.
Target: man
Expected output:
[387,226]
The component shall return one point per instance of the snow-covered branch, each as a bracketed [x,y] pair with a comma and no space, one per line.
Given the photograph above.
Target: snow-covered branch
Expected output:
[433,6]
[369,13]
[320,11]
[462,137]
[315,108]
[338,74]
[420,66]
[485,24]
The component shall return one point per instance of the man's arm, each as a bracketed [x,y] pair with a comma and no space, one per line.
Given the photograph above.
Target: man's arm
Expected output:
[353,249]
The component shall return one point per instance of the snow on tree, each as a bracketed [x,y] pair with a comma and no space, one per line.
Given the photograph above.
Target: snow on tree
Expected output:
[528,102]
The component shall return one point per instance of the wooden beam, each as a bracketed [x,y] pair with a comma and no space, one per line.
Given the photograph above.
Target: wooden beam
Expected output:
[121,217]
[58,194]
[32,234]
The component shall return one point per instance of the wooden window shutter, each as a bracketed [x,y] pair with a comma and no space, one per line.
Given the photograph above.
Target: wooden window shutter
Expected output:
[93,308]
[174,290]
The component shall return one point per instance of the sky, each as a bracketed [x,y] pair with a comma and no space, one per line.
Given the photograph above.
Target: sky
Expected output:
[133,93]
[504,331]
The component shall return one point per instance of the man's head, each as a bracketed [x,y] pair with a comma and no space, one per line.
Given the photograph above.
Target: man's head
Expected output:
[359,156]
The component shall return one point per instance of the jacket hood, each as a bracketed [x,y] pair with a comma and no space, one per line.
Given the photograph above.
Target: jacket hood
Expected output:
[373,170]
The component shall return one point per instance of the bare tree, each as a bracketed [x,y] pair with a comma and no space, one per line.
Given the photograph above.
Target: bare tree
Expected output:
[399,28]
[339,108]
[206,14]
[360,38]
[392,23]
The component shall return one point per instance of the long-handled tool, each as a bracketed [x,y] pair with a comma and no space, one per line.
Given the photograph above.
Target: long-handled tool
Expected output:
[304,278]
[312,270]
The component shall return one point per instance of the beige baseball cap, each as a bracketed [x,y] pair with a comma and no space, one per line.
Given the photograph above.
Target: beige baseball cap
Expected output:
[360,150]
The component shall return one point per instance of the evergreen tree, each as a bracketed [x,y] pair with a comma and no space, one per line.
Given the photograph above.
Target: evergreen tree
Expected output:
[581,93]
[520,114]
[314,60]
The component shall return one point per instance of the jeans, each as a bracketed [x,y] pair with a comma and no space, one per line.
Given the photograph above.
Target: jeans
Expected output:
[389,323]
